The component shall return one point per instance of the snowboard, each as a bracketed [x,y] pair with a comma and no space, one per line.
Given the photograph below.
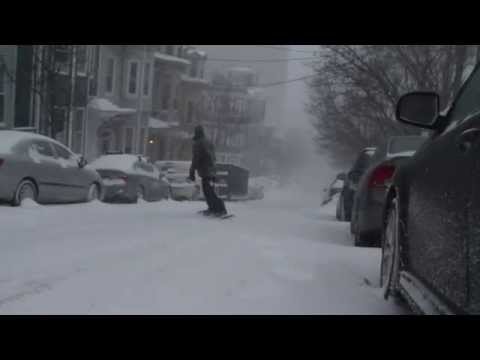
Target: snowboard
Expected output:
[223,217]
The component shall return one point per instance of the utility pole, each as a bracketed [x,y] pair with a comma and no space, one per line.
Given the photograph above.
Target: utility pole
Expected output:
[71,105]
[140,100]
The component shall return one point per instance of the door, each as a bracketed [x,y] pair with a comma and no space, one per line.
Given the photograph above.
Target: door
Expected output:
[441,182]
[74,179]
[46,171]
[149,180]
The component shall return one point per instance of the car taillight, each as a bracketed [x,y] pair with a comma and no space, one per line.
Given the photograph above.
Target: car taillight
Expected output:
[381,175]
[124,178]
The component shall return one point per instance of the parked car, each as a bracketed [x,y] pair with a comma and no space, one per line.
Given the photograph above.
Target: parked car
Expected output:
[431,233]
[345,201]
[169,166]
[334,188]
[39,168]
[369,200]
[176,174]
[128,178]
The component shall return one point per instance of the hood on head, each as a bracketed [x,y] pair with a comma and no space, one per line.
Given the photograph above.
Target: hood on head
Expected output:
[199,133]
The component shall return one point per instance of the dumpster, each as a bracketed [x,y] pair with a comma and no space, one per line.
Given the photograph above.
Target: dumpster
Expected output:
[235,179]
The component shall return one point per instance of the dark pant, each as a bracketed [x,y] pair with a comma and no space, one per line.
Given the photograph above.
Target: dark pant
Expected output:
[215,204]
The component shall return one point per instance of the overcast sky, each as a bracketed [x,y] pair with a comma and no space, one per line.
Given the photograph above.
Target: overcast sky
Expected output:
[297,91]
[318,173]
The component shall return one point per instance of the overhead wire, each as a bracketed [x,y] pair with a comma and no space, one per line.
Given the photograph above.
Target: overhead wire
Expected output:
[286,49]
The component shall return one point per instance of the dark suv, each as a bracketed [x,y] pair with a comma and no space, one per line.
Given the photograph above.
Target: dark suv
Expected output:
[363,162]
[431,232]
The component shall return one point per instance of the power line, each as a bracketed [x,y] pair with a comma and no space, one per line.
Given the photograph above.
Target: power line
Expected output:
[263,60]
[286,81]
[286,49]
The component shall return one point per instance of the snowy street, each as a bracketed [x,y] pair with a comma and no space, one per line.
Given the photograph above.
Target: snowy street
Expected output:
[281,255]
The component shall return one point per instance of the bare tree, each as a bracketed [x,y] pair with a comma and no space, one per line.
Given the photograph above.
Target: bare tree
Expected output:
[354,93]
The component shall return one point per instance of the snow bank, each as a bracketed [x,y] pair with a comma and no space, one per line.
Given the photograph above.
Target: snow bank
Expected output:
[170,58]
[105,105]
[29,204]
[157,124]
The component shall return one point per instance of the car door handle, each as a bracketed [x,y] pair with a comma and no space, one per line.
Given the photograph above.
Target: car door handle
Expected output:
[468,138]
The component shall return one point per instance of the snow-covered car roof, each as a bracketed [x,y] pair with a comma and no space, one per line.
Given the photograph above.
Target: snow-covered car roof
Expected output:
[121,162]
[10,138]
[178,166]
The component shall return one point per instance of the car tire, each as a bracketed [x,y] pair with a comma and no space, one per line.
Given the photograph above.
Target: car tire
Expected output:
[361,240]
[93,193]
[390,264]
[338,213]
[343,217]
[26,189]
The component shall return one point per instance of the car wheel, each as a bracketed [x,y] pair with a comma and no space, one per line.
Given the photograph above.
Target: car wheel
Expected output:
[360,240]
[342,210]
[93,193]
[338,213]
[25,190]
[390,265]
[353,224]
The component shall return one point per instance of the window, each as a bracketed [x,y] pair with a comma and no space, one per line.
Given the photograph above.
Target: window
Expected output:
[43,148]
[59,122]
[180,51]
[63,58]
[2,91]
[110,76]
[166,96]
[81,59]
[190,112]
[467,103]
[142,141]
[132,78]
[146,80]
[176,101]
[194,69]
[62,152]
[93,59]
[170,49]
[93,67]
[77,131]
[128,149]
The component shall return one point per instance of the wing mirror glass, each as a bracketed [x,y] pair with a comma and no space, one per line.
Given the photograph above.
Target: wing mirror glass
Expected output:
[419,109]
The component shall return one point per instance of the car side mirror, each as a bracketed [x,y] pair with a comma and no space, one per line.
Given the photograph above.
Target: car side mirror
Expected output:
[419,109]
[82,162]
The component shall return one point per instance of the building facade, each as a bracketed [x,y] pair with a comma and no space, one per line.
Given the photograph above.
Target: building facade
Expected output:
[234,115]
[259,58]
[44,90]
[142,99]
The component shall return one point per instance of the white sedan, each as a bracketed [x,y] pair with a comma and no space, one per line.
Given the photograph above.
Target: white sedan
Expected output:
[181,188]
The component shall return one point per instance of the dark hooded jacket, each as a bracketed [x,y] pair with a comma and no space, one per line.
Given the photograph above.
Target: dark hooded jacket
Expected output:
[203,159]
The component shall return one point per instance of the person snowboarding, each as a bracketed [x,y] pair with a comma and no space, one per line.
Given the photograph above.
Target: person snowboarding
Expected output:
[203,162]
